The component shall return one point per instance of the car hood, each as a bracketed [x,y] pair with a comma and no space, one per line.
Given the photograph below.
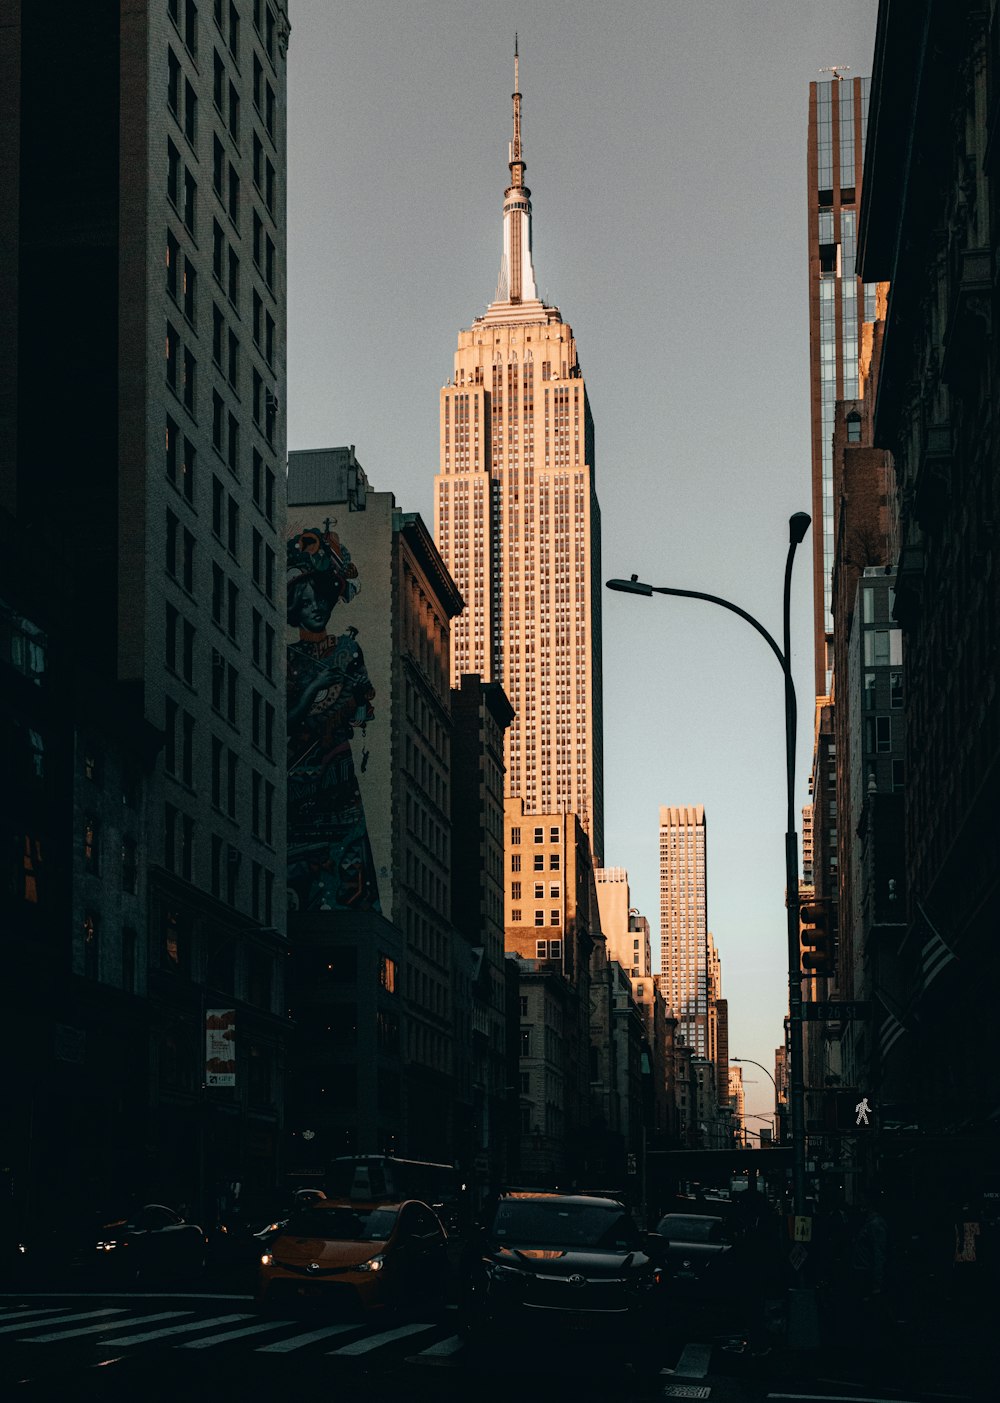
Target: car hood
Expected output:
[568,1261]
[697,1251]
[320,1249]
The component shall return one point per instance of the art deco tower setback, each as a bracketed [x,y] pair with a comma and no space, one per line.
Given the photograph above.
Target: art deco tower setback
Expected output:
[518,525]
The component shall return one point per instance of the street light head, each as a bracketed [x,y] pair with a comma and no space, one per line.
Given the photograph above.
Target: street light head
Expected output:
[632,586]
[798,525]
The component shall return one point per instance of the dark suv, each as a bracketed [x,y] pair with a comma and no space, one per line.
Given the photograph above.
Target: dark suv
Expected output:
[566,1263]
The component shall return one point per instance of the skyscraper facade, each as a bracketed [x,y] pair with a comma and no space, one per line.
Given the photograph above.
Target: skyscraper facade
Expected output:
[147,232]
[684,922]
[839,303]
[518,525]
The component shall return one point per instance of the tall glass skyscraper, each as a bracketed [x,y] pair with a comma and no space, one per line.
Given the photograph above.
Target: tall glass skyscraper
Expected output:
[838,305]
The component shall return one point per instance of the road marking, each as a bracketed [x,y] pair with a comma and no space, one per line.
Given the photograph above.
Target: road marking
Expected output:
[297,1341]
[62,1319]
[177,1329]
[694,1361]
[104,1325]
[443,1347]
[837,1398]
[261,1328]
[9,1313]
[124,1296]
[376,1341]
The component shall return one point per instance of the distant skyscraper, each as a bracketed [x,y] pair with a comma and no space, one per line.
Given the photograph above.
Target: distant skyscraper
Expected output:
[519,527]
[684,922]
[838,305]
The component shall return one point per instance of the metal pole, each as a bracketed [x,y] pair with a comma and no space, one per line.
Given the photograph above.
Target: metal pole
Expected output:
[798,525]
[796,1082]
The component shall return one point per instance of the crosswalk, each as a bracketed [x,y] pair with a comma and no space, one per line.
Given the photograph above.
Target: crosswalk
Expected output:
[120,1327]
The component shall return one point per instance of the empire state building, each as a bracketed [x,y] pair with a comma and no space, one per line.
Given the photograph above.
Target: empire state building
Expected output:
[518,524]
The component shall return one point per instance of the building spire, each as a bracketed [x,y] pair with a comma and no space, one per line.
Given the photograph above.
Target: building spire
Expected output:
[517,276]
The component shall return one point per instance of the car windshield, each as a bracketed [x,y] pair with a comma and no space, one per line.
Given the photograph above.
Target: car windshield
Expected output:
[539,1224]
[683,1227]
[343,1224]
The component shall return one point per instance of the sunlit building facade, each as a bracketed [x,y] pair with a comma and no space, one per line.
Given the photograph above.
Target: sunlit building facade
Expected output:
[518,525]
[684,922]
[839,303]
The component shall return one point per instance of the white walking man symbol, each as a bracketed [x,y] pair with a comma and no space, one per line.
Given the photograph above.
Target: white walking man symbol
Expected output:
[862,1109]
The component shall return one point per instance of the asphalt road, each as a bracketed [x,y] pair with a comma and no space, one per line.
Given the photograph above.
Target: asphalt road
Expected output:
[193,1346]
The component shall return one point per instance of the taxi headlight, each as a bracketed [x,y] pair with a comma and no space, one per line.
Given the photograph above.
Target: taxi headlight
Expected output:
[375,1263]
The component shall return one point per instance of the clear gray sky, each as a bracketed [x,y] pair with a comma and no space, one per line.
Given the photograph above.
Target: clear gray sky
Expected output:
[666,154]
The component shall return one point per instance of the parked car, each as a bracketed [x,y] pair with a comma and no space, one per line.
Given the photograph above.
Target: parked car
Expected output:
[356,1256]
[574,1266]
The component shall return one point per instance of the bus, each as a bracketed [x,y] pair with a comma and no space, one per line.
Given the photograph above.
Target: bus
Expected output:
[367,1177]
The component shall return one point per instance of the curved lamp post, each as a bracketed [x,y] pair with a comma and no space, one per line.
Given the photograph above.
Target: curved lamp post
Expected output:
[798,525]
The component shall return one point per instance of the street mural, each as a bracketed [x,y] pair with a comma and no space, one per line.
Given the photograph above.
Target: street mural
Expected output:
[330,695]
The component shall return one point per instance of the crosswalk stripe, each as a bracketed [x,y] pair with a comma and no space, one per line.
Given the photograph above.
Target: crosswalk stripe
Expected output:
[261,1328]
[62,1319]
[10,1313]
[297,1341]
[187,1328]
[443,1347]
[371,1342]
[105,1325]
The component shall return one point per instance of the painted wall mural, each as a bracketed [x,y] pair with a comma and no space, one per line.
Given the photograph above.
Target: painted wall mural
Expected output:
[330,696]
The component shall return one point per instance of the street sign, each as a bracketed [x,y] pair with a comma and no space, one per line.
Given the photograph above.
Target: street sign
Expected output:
[831,1010]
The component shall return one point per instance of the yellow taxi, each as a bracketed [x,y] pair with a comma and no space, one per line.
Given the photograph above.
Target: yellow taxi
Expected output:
[356,1256]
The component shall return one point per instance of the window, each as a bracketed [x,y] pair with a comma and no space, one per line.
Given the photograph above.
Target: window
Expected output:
[190,371]
[187,661]
[188,562]
[234,31]
[233,359]
[387,973]
[172,263]
[173,81]
[218,679]
[170,642]
[171,545]
[218,165]
[539,862]
[190,280]
[231,772]
[539,891]
[555,949]
[539,918]
[216,772]
[91,947]
[525,1042]
[218,497]
[553,862]
[234,113]
[234,195]
[170,446]
[218,250]
[232,610]
[554,896]
[233,288]
[190,203]
[256,636]
[541,949]
[218,80]
[191,26]
[187,846]
[515,915]
[854,428]
[233,531]
[233,445]
[173,173]
[172,354]
[187,749]
[554,918]
[553,835]
[218,420]
[515,891]
[539,835]
[91,846]
[190,113]
[895,689]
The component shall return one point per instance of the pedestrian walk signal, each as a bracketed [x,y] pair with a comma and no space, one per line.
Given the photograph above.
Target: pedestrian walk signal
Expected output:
[848,1109]
[816,942]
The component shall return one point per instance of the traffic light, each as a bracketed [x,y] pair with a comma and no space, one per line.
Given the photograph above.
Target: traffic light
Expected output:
[816,941]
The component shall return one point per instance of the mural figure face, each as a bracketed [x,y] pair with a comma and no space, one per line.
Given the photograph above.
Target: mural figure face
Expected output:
[311,602]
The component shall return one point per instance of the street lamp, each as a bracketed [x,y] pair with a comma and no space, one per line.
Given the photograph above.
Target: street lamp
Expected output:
[798,525]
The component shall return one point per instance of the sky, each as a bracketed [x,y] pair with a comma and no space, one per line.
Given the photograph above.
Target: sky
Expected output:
[665,143]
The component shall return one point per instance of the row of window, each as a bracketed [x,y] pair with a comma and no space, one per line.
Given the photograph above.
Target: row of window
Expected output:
[538,862]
